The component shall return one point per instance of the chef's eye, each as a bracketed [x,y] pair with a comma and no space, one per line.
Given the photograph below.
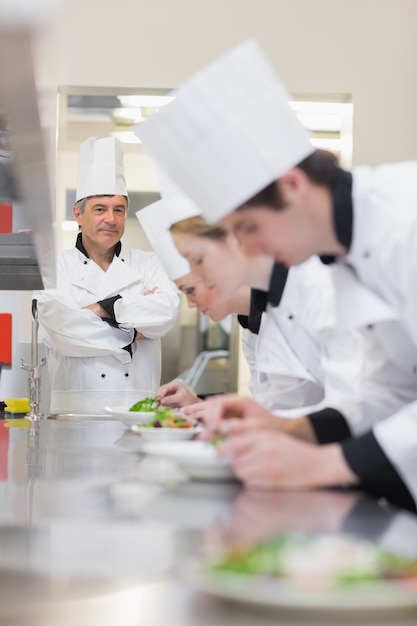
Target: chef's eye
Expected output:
[247,228]
[198,261]
[120,211]
[190,291]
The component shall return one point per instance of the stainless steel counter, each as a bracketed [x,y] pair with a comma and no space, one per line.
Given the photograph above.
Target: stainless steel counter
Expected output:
[93,532]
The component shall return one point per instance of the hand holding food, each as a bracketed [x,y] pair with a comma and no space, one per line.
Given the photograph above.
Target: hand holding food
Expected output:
[175,393]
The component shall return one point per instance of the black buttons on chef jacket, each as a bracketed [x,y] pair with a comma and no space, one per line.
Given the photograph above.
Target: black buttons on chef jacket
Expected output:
[366,254]
[103,375]
[126,374]
[85,262]
[291,316]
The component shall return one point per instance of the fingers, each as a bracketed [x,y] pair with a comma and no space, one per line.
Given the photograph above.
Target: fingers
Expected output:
[234,426]
[150,291]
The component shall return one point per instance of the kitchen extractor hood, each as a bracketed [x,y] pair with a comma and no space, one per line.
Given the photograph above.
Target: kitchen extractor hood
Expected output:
[27,259]
[19,268]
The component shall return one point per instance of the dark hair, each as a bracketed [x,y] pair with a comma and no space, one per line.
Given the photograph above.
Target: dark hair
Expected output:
[321,168]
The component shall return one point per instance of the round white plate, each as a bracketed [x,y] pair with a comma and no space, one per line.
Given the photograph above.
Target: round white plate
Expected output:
[197,458]
[363,598]
[129,417]
[165,434]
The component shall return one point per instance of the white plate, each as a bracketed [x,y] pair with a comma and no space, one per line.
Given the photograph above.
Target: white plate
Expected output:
[197,458]
[129,417]
[367,598]
[165,434]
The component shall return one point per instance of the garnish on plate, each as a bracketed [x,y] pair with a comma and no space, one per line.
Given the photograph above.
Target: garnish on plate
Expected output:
[146,405]
[166,418]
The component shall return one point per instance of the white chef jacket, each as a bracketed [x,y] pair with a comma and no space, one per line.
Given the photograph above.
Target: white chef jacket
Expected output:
[89,361]
[286,358]
[303,358]
[383,256]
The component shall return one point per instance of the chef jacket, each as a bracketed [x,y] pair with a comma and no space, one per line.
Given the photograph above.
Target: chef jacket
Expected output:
[375,216]
[95,362]
[303,359]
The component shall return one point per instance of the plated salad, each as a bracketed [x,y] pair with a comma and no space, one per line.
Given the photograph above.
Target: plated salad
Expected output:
[163,417]
[146,405]
[317,561]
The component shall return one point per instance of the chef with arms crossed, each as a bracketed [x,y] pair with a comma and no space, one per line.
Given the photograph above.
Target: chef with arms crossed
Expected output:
[102,324]
[247,161]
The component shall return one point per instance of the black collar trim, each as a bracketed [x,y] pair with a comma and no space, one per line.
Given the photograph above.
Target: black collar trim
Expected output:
[80,246]
[341,189]
[277,284]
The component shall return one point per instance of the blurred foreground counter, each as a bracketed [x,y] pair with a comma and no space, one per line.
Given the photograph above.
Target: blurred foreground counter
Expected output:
[94,532]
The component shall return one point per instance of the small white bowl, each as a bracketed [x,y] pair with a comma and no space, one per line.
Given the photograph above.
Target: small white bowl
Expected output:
[164,434]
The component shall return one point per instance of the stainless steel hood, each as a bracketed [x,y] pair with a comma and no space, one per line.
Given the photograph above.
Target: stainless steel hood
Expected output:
[27,260]
[19,269]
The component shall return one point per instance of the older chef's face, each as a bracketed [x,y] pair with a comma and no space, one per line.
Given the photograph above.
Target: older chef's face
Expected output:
[221,264]
[203,298]
[102,221]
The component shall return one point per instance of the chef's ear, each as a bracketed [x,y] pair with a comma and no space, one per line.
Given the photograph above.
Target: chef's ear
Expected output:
[293,183]
[77,214]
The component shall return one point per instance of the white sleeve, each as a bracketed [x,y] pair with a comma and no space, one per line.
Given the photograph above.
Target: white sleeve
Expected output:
[73,331]
[155,314]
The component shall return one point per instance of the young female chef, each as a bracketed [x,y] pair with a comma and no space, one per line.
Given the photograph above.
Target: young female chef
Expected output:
[155,221]
[248,140]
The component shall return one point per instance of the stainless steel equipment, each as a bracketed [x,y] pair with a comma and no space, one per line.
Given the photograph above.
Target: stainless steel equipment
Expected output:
[34,369]
[24,177]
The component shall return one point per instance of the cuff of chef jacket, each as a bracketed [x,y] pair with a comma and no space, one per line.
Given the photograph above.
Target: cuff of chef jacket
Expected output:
[108,305]
[329,426]
[376,474]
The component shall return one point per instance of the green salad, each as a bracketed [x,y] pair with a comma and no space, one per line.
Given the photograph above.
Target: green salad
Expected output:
[317,560]
[164,416]
[146,405]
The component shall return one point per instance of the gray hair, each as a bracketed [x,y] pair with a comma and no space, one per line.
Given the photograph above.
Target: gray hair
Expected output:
[80,204]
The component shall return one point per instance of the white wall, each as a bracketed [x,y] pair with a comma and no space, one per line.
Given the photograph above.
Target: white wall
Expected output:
[366,48]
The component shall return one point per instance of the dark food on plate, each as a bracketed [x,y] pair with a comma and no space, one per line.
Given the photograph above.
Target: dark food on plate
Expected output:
[317,561]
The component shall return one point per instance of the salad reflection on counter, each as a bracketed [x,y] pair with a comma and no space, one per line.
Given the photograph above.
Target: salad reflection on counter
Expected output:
[258,515]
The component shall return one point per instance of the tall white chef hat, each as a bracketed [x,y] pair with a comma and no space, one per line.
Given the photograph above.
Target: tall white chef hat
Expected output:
[177,205]
[101,168]
[156,220]
[229,132]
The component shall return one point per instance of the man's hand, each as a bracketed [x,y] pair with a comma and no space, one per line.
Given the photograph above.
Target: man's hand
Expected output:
[268,459]
[232,414]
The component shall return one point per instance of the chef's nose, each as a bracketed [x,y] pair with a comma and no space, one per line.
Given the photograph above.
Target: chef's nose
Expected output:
[110,216]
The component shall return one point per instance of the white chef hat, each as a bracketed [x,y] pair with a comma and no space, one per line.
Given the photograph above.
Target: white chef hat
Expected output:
[177,205]
[229,132]
[101,168]
[156,220]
